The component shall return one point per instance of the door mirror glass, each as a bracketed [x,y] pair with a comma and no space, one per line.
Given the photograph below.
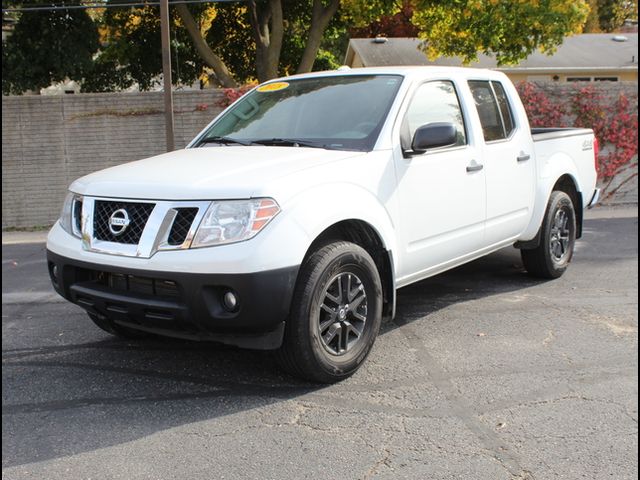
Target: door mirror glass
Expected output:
[434,135]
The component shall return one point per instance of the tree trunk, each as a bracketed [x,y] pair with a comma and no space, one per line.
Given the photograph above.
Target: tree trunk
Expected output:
[320,18]
[215,62]
[268,32]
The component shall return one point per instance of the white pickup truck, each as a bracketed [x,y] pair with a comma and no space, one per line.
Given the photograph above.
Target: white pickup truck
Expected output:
[291,220]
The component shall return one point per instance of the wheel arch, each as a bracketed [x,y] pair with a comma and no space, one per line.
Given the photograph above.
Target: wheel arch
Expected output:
[557,172]
[366,236]
[567,184]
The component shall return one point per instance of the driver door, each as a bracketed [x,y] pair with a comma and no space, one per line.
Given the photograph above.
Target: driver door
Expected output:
[442,192]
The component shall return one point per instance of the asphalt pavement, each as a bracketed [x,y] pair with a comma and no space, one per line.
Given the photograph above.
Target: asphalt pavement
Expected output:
[485,373]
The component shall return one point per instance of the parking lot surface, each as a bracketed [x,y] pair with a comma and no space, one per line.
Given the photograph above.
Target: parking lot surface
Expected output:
[485,373]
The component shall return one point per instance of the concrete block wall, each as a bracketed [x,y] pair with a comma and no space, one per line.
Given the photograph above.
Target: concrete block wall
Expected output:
[49,141]
[610,90]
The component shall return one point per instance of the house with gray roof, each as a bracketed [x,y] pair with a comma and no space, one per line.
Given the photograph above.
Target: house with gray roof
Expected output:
[587,57]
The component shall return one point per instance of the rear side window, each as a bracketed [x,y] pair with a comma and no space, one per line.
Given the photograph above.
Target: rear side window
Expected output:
[493,108]
[505,108]
[435,102]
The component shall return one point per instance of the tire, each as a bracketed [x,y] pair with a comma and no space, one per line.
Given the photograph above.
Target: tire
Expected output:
[552,256]
[117,330]
[326,339]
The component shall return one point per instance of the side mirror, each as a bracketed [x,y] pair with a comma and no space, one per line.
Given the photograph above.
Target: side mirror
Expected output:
[434,135]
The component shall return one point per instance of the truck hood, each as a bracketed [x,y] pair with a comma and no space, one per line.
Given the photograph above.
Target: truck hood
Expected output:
[205,173]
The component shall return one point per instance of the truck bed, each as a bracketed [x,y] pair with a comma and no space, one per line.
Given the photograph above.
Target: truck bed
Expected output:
[568,146]
[549,133]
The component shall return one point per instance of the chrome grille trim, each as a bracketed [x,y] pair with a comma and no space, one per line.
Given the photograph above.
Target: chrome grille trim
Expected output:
[155,235]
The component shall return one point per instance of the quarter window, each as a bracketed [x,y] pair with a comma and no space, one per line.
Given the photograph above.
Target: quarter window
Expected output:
[435,102]
[493,108]
[505,108]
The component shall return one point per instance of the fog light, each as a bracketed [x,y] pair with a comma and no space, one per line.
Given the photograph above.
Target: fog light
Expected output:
[230,301]
[54,272]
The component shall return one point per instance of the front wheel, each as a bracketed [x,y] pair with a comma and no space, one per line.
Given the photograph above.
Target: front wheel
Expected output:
[551,257]
[335,315]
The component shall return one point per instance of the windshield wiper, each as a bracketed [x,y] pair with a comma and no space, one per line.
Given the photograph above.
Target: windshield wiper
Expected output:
[225,141]
[287,142]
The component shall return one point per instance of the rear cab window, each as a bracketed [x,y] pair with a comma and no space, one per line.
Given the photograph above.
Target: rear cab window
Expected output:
[494,109]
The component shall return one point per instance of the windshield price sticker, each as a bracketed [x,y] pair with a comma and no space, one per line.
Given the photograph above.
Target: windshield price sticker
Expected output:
[272,87]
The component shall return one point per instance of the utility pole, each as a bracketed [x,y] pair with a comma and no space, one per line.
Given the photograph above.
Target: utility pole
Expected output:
[166,73]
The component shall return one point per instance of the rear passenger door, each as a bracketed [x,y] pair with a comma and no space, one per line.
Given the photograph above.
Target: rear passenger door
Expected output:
[508,160]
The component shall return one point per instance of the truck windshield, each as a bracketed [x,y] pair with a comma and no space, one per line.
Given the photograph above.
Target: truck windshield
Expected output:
[333,112]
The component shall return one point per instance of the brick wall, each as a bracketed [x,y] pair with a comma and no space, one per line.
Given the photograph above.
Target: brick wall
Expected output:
[49,141]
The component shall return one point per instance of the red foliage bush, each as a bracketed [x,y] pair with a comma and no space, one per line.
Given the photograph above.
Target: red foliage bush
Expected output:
[230,95]
[542,112]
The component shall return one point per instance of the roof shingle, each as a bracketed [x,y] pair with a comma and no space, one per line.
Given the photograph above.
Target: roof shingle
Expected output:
[591,50]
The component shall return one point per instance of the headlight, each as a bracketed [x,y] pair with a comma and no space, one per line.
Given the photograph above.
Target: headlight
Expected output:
[71,215]
[234,221]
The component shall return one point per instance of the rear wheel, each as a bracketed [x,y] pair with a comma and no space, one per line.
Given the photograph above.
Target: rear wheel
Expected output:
[551,257]
[118,330]
[335,316]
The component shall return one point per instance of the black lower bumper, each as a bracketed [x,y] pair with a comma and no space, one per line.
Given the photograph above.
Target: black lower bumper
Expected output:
[183,305]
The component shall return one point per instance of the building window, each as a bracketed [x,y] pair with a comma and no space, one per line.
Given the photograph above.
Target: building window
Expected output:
[578,79]
[605,79]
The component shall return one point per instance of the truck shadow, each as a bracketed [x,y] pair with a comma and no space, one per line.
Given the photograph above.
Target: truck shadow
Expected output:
[97,392]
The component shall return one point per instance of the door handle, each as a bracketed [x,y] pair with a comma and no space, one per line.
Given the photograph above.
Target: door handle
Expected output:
[475,167]
[523,157]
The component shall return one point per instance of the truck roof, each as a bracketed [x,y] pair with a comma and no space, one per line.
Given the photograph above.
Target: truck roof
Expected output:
[407,71]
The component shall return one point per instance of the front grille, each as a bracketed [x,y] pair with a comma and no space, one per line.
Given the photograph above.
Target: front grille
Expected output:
[181,225]
[138,216]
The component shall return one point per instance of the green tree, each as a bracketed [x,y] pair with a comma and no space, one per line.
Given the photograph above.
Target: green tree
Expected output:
[609,15]
[592,24]
[47,47]
[232,39]
[132,53]
[509,30]
[268,22]
[613,13]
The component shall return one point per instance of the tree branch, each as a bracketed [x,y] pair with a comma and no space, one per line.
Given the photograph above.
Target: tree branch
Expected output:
[210,58]
[320,18]
[610,194]
[252,8]
[277,33]
[268,32]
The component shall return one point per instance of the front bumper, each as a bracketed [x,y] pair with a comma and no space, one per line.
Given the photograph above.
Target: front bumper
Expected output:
[183,305]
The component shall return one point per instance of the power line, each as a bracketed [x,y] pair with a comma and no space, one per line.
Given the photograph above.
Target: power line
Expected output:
[109,5]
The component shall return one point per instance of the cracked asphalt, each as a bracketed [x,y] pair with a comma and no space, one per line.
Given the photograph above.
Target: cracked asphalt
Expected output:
[484,374]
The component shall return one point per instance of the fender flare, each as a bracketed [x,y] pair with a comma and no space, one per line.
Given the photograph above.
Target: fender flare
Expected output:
[554,168]
[318,209]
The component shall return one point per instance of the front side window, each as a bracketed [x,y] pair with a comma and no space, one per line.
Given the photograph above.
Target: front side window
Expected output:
[434,102]
[335,112]
[494,110]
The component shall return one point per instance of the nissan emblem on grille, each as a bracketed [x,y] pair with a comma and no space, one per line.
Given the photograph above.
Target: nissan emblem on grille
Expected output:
[119,221]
